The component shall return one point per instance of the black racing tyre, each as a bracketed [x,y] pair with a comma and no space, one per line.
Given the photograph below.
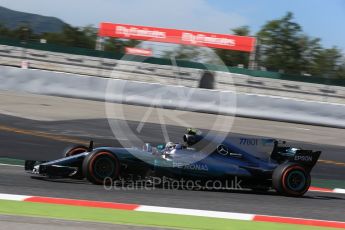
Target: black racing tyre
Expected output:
[101,166]
[74,150]
[291,179]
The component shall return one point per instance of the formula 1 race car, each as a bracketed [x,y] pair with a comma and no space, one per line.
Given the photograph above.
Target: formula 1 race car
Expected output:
[259,164]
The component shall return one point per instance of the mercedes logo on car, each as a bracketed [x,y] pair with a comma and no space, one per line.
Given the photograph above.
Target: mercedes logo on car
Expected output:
[222,149]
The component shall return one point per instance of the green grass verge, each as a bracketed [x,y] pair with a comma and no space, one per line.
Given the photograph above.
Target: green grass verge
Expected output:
[328,183]
[135,218]
[11,161]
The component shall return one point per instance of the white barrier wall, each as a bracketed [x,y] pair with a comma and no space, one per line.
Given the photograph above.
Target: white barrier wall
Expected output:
[176,97]
[131,70]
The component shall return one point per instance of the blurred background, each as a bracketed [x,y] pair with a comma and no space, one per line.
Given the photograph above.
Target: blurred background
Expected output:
[291,42]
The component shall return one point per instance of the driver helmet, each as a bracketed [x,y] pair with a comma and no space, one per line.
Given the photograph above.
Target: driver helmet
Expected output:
[170,146]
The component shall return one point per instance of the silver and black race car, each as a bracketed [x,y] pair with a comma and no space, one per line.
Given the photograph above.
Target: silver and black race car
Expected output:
[260,164]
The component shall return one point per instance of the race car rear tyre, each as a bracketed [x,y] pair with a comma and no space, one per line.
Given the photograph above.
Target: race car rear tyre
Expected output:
[101,167]
[291,179]
[74,150]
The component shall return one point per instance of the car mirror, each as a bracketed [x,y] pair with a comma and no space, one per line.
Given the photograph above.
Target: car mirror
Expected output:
[237,155]
[160,147]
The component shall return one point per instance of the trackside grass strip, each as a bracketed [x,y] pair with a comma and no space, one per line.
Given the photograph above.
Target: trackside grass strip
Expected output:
[137,218]
[328,183]
[11,161]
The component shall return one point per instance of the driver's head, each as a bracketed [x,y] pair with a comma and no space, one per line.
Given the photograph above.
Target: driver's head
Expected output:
[170,146]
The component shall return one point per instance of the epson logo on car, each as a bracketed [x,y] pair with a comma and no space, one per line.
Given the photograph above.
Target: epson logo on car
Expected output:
[303,158]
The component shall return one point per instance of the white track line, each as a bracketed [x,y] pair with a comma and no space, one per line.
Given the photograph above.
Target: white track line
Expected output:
[339,190]
[195,212]
[13,197]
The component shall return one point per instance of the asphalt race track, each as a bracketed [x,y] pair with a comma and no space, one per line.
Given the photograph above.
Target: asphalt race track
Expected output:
[30,133]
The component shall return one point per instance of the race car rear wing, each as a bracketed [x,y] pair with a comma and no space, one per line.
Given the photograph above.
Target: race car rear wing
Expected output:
[306,158]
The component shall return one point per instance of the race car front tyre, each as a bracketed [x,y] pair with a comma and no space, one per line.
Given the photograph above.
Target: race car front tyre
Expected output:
[101,167]
[74,150]
[291,179]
